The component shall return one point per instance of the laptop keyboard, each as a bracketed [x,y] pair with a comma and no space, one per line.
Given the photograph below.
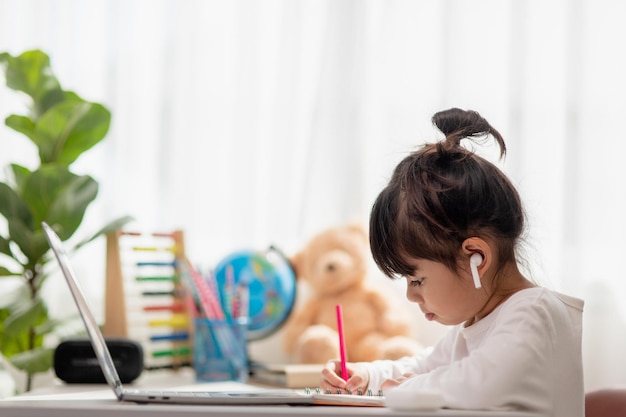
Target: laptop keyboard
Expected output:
[166,395]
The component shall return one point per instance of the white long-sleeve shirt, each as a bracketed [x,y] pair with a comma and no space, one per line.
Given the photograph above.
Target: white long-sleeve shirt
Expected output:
[525,355]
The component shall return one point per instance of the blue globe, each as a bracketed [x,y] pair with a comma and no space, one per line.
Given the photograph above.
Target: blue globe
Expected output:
[271,285]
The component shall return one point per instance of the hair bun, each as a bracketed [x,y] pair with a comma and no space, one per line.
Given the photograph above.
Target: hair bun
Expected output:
[457,124]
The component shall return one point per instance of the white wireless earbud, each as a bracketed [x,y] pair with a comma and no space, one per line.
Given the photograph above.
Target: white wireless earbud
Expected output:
[475,260]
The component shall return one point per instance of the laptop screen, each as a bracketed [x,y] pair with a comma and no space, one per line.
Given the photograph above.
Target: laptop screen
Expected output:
[95,335]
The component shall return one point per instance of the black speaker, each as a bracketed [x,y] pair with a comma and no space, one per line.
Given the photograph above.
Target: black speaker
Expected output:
[76,362]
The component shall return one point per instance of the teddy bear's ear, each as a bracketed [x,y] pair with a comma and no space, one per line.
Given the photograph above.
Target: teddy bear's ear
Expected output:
[359,228]
[296,263]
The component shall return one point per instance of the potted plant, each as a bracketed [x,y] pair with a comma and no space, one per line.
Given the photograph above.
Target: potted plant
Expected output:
[62,126]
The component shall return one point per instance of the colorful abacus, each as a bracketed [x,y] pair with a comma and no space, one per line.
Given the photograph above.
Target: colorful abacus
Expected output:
[145,298]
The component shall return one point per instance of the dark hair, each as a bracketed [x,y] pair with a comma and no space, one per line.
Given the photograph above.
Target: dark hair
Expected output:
[441,195]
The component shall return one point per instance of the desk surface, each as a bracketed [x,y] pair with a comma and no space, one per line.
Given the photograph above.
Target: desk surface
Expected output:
[79,400]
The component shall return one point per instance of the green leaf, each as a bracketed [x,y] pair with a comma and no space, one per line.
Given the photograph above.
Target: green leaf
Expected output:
[22,329]
[70,128]
[30,73]
[5,247]
[42,187]
[50,98]
[33,361]
[112,226]
[6,273]
[19,316]
[69,206]
[33,245]
[20,174]
[12,207]
[59,197]
[26,318]
[22,124]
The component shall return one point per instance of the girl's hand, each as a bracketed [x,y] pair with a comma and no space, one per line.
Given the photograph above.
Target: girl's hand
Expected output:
[358,378]
[391,383]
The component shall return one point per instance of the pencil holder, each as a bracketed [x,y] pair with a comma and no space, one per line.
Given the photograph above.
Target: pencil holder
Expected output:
[220,350]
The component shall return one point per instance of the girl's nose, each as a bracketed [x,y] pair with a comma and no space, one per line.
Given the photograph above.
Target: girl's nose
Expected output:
[414,297]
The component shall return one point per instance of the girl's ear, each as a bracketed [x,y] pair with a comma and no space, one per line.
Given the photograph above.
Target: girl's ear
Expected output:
[476,245]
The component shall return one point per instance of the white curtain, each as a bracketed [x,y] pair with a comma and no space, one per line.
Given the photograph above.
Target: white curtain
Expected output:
[247,123]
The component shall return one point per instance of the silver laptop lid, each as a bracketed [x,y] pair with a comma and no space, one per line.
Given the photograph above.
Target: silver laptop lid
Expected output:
[95,335]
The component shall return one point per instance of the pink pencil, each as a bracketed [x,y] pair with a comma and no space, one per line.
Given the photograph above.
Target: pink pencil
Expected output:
[342,342]
[208,300]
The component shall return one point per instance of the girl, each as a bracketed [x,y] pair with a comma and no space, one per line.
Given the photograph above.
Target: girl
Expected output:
[449,222]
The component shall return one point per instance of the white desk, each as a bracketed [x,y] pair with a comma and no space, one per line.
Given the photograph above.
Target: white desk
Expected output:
[98,401]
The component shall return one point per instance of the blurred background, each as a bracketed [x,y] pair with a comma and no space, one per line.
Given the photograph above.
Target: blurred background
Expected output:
[249,123]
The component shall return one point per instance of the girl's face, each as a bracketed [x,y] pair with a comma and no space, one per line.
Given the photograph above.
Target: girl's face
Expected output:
[444,296]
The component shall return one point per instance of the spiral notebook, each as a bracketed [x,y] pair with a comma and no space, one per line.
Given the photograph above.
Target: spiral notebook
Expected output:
[105,361]
[355,400]
[286,375]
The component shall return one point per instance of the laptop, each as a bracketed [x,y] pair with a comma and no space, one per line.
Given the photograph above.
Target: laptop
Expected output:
[105,361]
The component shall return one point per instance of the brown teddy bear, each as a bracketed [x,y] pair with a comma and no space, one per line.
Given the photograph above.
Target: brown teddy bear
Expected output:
[335,264]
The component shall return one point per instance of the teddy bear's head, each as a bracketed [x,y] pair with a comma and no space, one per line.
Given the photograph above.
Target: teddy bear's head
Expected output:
[334,260]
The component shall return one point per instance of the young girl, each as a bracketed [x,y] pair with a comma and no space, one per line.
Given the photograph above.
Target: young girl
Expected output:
[449,222]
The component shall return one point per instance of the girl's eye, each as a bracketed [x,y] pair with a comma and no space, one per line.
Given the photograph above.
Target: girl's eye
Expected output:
[416,282]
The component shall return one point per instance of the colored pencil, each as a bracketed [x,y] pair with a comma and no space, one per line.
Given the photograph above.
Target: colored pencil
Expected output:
[342,342]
